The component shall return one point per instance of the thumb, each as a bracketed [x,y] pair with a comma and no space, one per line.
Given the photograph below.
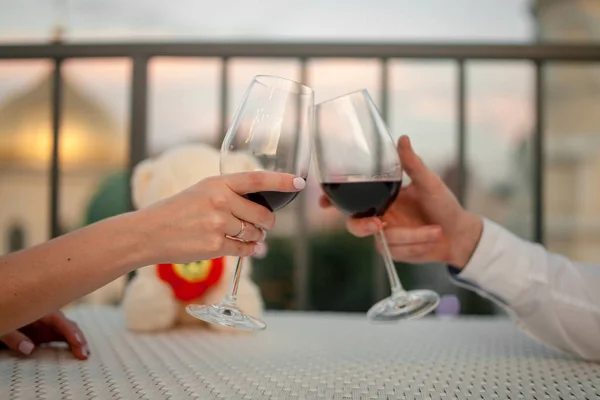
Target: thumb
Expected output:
[18,342]
[412,164]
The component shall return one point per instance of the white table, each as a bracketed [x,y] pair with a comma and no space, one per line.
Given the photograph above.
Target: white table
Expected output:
[303,356]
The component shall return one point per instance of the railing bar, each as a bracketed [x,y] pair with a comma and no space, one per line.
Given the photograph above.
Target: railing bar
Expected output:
[138,150]
[381,286]
[301,239]
[55,228]
[538,155]
[461,133]
[554,52]
[224,106]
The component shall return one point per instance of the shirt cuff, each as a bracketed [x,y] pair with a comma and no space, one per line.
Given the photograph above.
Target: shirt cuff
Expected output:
[497,268]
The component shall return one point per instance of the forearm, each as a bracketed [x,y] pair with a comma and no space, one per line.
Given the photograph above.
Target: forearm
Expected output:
[564,306]
[554,299]
[41,279]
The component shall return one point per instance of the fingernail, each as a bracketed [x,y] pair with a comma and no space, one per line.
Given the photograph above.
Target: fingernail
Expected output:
[256,249]
[261,250]
[78,337]
[435,231]
[299,183]
[264,235]
[85,350]
[26,347]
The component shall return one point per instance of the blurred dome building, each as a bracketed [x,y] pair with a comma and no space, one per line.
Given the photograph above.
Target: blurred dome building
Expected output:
[91,147]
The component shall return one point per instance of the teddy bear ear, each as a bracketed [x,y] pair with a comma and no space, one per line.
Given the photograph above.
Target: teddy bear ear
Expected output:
[140,179]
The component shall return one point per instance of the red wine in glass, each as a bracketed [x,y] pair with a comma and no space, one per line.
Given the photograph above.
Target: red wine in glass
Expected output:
[273,201]
[361,174]
[362,199]
[271,131]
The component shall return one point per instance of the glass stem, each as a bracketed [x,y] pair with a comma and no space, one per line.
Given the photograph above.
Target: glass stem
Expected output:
[397,289]
[231,296]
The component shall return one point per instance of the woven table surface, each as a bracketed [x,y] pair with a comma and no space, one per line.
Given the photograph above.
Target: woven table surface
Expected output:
[302,356]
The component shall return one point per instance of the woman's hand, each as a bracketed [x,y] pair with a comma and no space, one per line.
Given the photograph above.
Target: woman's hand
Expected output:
[196,224]
[53,327]
[200,222]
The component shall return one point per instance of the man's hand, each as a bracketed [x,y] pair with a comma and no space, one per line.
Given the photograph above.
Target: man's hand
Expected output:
[425,223]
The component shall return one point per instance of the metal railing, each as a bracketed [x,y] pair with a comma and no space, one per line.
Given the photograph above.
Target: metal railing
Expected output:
[540,55]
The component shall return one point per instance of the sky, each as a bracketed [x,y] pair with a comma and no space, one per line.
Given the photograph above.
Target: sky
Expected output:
[183,94]
[356,20]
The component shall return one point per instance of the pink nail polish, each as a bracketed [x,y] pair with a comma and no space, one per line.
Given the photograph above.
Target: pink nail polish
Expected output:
[26,347]
[260,251]
[299,183]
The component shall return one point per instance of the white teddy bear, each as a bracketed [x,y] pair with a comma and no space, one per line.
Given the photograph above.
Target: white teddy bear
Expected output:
[156,297]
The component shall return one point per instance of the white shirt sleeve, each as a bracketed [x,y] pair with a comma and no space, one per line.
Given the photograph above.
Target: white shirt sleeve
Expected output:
[553,299]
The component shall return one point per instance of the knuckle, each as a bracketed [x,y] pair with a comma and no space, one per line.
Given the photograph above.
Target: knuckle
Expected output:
[257,234]
[355,228]
[216,243]
[436,183]
[207,185]
[409,251]
[219,202]
[398,236]
[410,238]
[212,180]
[250,234]
[283,182]
[445,254]
[398,253]
[244,249]
[256,179]
[216,222]
[416,250]
[269,220]
[265,216]
[239,248]
[391,236]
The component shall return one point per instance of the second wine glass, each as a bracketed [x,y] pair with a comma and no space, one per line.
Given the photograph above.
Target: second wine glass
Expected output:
[360,172]
[271,131]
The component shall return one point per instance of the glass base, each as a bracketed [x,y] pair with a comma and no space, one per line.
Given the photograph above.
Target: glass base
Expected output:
[225,315]
[413,304]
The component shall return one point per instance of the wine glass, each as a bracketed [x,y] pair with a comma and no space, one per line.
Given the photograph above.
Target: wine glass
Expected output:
[360,173]
[271,131]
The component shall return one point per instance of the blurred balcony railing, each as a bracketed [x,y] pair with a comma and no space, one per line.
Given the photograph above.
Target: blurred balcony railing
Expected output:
[140,54]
